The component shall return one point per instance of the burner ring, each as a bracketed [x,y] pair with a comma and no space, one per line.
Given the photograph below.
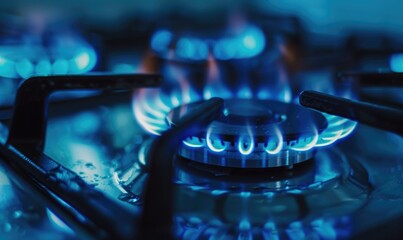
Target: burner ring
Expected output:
[253,133]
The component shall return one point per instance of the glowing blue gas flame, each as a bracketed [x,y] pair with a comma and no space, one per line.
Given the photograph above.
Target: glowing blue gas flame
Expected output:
[151,107]
[214,143]
[337,128]
[161,40]
[193,142]
[66,55]
[151,112]
[318,228]
[246,142]
[84,61]
[274,147]
[245,92]
[308,143]
[247,43]
[396,62]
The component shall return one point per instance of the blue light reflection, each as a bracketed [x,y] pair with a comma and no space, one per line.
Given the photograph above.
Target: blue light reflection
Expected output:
[319,228]
[57,222]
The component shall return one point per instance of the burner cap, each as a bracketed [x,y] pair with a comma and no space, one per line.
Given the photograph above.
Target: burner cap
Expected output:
[253,133]
[247,111]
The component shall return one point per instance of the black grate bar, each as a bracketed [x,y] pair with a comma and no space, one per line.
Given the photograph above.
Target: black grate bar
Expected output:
[158,204]
[378,116]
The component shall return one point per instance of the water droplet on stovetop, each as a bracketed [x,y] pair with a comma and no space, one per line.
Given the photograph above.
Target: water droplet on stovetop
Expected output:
[6,227]
[90,166]
[17,214]
[130,198]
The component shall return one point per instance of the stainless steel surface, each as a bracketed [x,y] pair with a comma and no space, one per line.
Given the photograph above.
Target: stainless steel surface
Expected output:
[350,188]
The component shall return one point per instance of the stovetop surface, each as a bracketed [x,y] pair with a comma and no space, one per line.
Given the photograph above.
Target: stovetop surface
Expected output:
[101,143]
[351,188]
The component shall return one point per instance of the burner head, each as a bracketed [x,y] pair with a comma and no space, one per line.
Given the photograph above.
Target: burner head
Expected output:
[253,133]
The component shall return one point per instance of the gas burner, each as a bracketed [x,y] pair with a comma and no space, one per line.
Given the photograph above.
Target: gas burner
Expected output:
[260,203]
[253,133]
[213,201]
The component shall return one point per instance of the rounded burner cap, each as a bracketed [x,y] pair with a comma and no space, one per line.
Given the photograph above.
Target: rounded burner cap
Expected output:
[246,111]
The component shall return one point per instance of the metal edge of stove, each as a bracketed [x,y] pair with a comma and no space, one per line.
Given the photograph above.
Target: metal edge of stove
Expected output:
[57,184]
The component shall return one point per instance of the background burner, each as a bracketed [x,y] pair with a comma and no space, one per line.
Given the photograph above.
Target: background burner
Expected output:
[264,134]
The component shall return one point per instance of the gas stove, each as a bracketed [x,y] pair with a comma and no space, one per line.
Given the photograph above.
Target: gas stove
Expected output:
[229,128]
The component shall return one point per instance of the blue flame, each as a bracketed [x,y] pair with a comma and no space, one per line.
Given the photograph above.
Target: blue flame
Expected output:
[24,68]
[308,143]
[60,66]
[82,61]
[190,48]
[214,143]
[212,90]
[63,56]
[193,142]
[7,68]
[245,92]
[295,231]
[318,228]
[274,147]
[264,94]
[248,43]
[151,108]
[43,67]
[325,229]
[160,40]
[396,62]
[246,143]
[338,127]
